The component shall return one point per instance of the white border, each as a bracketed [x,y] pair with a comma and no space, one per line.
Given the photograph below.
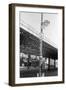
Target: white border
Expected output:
[37,79]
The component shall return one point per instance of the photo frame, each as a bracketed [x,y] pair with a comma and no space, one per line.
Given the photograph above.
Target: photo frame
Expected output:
[36,44]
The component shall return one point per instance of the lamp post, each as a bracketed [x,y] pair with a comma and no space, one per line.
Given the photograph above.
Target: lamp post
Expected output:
[41,32]
[43,25]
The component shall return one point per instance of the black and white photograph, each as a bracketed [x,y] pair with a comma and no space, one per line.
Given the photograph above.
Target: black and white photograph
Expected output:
[36,44]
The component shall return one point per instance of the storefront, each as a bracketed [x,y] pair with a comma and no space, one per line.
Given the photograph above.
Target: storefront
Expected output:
[30,55]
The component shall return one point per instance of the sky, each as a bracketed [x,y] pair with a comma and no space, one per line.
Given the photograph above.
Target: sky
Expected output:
[50,33]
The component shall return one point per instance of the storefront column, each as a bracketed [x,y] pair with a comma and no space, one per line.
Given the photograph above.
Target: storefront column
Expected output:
[48,63]
[54,64]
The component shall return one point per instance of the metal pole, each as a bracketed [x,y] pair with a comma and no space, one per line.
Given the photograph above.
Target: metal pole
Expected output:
[41,34]
[41,42]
